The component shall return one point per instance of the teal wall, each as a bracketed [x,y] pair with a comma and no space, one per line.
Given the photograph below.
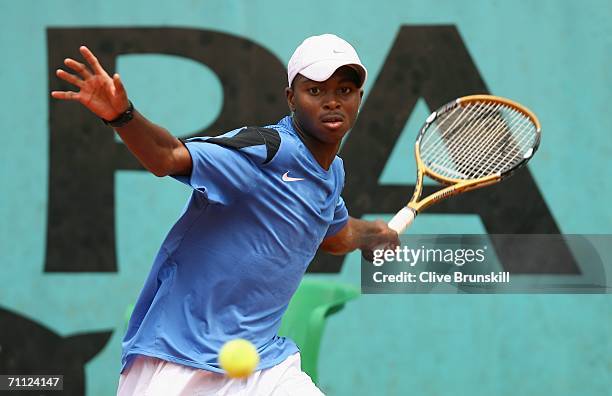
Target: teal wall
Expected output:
[554,56]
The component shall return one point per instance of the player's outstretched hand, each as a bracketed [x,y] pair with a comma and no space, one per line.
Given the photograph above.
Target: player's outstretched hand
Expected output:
[104,95]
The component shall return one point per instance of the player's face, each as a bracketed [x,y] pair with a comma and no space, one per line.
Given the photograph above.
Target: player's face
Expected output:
[326,110]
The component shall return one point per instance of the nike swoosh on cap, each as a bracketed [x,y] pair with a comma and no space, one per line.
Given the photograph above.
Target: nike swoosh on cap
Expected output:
[288,178]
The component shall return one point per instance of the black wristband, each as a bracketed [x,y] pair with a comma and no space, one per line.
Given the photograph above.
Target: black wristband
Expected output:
[123,118]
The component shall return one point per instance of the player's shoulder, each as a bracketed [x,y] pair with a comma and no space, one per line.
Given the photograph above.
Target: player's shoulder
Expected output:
[260,144]
[284,128]
[274,145]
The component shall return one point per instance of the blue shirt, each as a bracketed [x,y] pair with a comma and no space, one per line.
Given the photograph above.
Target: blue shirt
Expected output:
[260,208]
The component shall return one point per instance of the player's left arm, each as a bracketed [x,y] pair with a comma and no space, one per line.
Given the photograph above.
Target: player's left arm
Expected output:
[360,234]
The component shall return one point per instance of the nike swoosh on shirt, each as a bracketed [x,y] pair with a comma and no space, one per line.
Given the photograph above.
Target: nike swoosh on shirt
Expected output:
[288,178]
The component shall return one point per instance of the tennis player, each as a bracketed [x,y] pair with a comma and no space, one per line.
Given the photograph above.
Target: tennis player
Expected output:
[264,200]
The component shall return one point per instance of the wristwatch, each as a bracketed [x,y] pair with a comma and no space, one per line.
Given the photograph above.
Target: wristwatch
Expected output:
[123,118]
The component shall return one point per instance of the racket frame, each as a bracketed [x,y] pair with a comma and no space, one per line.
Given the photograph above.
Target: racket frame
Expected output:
[457,186]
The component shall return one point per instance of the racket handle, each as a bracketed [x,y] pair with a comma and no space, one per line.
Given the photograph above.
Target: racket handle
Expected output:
[402,220]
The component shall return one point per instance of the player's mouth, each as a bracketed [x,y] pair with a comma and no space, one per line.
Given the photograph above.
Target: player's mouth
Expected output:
[332,121]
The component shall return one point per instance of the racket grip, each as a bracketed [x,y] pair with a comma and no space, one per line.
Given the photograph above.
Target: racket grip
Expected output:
[402,220]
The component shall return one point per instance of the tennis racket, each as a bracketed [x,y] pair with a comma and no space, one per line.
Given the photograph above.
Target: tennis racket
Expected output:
[470,143]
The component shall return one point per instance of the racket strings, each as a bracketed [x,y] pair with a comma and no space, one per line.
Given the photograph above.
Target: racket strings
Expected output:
[458,128]
[524,137]
[493,152]
[479,152]
[478,156]
[477,140]
[450,147]
[463,151]
[447,116]
[439,142]
[526,140]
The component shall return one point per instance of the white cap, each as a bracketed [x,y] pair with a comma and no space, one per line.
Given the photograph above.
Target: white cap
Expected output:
[318,57]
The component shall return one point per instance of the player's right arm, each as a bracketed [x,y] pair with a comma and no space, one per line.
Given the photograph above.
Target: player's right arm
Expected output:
[157,149]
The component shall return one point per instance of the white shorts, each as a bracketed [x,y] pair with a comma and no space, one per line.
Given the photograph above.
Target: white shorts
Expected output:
[151,377]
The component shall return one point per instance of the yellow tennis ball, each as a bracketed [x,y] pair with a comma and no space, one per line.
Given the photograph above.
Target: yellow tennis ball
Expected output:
[238,358]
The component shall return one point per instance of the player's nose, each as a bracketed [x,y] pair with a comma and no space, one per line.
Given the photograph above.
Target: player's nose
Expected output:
[331,102]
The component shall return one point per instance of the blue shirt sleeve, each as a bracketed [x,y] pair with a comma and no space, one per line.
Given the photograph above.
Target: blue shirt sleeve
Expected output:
[219,172]
[340,218]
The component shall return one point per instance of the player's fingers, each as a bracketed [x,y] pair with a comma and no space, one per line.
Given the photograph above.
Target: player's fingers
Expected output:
[395,241]
[65,95]
[368,255]
[92,60]
[78,67]
[72,79]
[120,89]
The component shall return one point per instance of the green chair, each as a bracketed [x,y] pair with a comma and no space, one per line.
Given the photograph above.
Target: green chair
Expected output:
[304,319]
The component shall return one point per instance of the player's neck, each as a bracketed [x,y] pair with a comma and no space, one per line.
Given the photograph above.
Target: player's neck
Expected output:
[323,152]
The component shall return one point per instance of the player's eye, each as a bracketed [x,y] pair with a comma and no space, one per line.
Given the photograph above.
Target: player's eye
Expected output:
[314,90]
[345,90]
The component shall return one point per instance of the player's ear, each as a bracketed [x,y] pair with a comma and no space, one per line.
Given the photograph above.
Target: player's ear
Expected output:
[290,98]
